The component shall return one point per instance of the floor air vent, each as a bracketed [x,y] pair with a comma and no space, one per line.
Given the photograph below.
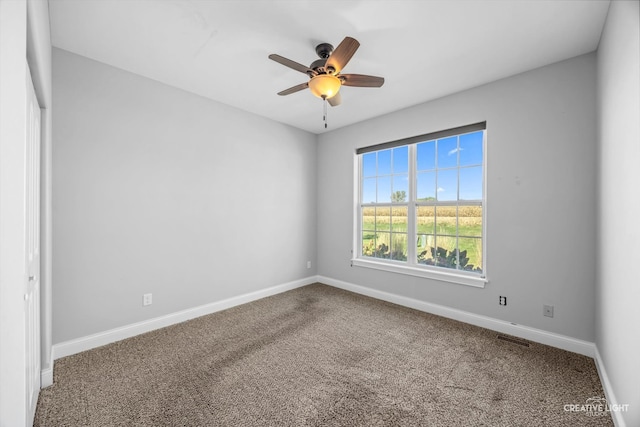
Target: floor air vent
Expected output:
[513,340]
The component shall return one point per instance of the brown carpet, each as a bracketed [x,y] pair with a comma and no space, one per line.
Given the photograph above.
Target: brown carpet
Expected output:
[320,356]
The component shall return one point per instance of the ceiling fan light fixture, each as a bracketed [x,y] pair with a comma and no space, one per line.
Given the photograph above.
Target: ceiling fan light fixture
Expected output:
[324,86]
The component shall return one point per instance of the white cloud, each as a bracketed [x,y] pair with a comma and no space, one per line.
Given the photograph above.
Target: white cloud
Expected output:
[440,189]
[455,150]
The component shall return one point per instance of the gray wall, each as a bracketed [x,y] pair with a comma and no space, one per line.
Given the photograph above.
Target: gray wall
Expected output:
[618,294]
[541,198]
[161,191]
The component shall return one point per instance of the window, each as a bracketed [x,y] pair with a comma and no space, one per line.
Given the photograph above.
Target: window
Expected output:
[421,204]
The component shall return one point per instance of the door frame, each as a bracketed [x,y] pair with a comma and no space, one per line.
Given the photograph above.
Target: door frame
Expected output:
[33,371]
[39,57]
[24,34]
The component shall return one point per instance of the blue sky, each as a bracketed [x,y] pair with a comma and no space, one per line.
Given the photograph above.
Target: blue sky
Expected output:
[437,174]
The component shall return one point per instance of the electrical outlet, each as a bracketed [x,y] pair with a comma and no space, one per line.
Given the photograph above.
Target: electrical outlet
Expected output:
[146,299]
[547,310]
[503,300]
[308,264]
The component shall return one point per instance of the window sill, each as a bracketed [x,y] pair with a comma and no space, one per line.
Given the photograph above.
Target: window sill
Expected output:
[461,279]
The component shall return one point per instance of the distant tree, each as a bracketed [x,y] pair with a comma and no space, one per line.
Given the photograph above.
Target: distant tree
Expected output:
[399,196]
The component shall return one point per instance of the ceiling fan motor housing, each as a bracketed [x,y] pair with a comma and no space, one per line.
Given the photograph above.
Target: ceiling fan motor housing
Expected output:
[318,66]
[324,50]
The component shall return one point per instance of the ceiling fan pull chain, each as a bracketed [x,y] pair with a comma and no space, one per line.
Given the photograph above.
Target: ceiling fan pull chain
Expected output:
[324,111]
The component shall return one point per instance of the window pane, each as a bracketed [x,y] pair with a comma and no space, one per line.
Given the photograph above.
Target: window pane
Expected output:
[399,219]
[470,254]
[471,183]
[445,252]
[383,242]
[369,190]
[426,186]
[383,219]
[368,243]
[384,189]
[401,159]
[448,152]
[471,149]
[424,250]
[368,231]
[384,162]
[399,246]
[426,155]
[369,164]
[400,189]
[446,220]
[425,219]
[447,185]
[368,218]
[470,221]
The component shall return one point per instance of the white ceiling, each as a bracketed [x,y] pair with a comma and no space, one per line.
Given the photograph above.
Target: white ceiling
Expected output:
[424,49]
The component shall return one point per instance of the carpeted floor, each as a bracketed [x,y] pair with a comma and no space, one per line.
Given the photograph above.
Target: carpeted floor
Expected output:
[320,356]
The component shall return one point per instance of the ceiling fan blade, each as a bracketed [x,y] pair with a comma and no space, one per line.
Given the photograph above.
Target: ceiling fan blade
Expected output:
[342,54]
[292,64]
[361,80]
[335,100]
[294,89]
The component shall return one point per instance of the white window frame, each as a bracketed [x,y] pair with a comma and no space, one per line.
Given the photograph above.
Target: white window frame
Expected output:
[411,266]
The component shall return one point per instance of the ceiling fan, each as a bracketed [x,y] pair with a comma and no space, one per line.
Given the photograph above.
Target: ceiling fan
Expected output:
[325,78]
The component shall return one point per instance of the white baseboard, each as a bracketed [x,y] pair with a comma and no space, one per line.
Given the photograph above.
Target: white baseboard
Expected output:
[46,375]
[78,345]
[608,390]
[537,335]
[532,334]
[68,348]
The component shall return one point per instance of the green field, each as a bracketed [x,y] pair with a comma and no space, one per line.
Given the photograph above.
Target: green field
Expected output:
[384,231]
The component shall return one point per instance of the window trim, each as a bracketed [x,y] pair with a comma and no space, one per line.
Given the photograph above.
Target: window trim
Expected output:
[420,271]
[410,267]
